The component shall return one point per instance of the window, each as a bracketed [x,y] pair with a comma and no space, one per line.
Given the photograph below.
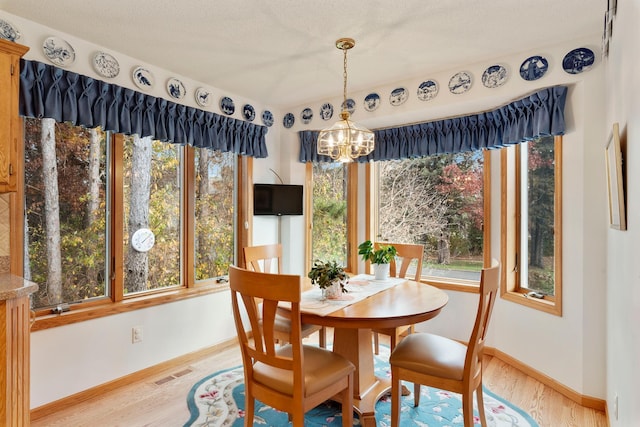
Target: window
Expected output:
[532,202]
[87,193]
[438,202]
[332,213]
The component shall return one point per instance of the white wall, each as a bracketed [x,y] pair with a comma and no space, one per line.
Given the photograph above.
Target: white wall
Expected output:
[571,348]
[623,268]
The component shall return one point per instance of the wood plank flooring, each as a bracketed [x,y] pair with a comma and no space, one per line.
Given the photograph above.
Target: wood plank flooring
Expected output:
[161,400]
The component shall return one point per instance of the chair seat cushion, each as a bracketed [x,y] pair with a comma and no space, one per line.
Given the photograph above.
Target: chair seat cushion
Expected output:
[321,368]
[430,355]
[282,324]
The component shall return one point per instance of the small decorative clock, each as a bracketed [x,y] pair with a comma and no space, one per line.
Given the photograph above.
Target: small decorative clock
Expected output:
[143,240]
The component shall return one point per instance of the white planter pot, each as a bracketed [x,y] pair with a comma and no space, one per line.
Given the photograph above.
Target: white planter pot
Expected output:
[332,292]
[381,271]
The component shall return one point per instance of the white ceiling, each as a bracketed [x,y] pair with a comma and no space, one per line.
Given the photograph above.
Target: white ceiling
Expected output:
[282,52]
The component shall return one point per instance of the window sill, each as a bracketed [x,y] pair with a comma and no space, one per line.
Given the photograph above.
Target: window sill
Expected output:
[82,312]
[542,304]
[470,286]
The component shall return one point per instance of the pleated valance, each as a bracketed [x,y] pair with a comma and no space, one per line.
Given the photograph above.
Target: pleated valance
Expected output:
[48,91]
[536,115]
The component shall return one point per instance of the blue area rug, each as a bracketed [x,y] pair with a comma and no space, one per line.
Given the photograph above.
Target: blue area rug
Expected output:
[218,400]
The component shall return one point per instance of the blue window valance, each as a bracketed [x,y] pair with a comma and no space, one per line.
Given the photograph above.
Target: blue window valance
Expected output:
[536,115]
[48,91]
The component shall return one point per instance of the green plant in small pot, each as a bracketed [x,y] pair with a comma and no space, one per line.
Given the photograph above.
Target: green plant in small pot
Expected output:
[330,277]
[380,258]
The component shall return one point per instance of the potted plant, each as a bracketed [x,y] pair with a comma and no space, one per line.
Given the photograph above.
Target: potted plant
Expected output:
[330,277]
[380,258]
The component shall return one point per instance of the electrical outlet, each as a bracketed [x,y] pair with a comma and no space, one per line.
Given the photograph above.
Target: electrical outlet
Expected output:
[615,406]
[136,334]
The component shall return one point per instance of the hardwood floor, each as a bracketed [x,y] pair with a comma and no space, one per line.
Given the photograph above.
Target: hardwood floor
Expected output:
[160,400]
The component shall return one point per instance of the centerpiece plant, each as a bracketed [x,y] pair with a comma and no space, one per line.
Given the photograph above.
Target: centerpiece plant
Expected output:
[381,257]
[330,277]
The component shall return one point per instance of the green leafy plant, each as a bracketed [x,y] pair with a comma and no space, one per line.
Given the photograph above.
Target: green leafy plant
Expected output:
[383,255]
[324,273]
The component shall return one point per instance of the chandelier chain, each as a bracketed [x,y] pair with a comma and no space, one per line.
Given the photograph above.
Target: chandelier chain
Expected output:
[344,75]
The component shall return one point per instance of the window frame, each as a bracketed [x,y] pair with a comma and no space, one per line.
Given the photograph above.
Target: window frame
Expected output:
[352,215]
[117,302]
[510,203]
[460,285]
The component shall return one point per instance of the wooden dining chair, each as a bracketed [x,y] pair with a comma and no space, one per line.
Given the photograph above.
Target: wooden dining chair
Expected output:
[268,259]
[293,378]
[408,253]
[444,363]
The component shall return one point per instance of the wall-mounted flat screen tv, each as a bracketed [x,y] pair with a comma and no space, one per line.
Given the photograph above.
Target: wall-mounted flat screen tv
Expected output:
[277,199]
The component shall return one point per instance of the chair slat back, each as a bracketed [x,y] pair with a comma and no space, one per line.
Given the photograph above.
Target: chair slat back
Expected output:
[408,252]
[247,287]
[263,258]
[489,281]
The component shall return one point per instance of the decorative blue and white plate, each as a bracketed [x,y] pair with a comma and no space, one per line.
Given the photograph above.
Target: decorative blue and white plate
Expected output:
[288,120]
[8,31]
[326,111]
[143,78]
[398,96]
[267,118]
[534,68]
[176,88]
[349,105]
[578,60]
[58,51]
[306,115]
[106,65]
[371,101]
[427,90]
[494,76]
[227,106]
[248,112]
[203,97]
[460,82]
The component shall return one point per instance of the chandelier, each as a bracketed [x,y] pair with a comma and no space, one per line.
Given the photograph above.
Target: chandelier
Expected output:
[345,140]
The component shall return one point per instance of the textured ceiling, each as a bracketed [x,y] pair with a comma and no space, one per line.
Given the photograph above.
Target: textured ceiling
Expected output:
[282,52]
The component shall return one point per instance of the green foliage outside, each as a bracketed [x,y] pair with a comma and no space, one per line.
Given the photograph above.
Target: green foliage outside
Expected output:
[329,234]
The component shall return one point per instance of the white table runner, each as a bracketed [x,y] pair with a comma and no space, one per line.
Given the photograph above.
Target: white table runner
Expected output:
[359,287]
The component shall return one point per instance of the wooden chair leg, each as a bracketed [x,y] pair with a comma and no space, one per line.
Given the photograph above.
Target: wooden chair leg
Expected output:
[480,399]
[394,338]
[347,404]
[322,340]
[396,391]
[297,418]
[249,408]
[416,394]
[467,408]
[376,343]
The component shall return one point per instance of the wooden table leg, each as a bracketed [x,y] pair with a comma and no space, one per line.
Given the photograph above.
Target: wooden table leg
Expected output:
[356,346]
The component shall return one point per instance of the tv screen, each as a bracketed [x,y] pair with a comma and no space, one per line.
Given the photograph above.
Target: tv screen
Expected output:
[277,199]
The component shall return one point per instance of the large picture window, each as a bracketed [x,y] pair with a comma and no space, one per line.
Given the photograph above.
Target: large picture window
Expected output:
[436,201]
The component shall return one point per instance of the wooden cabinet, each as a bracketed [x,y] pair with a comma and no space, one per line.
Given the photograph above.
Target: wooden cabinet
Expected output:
[10,123]
[14,350]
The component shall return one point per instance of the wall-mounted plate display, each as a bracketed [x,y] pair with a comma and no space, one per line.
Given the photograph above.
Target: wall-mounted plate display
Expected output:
[534,68]
[288,120]
[143,78]
[371,101]
[578,60]
[248,112]
[398,96]
[203,97]
[227,106]
[428,90]
[460,82]
[8,31]
[306,115]
[176,88]
[58,51]
[349,105]
[106,65]
[494,76]
[326,111]
[267,118]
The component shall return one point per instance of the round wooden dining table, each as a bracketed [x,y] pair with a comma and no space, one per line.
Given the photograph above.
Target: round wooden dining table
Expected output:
[404,304]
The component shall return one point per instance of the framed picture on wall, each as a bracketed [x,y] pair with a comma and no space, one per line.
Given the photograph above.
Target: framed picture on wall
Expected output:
[615,180]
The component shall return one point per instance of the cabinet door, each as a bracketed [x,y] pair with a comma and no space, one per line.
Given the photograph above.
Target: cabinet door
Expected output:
[10,129]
